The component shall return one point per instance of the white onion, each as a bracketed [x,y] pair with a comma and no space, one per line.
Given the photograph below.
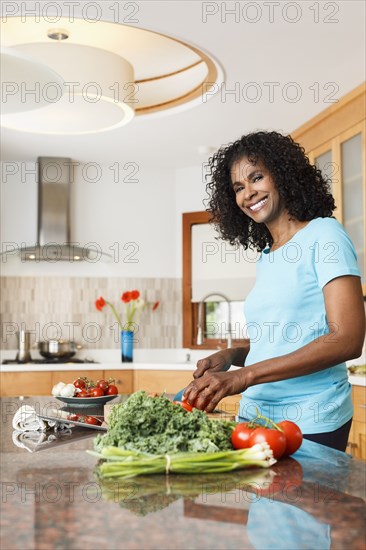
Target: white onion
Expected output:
[68,390]
[56,390]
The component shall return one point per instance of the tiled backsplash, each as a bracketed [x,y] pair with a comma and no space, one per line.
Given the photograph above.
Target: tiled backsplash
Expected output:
[65,307]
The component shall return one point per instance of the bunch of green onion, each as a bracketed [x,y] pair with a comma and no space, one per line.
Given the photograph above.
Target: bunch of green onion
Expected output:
[124,463]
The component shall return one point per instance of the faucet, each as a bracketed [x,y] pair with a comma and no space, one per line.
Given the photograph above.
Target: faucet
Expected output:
[199,340]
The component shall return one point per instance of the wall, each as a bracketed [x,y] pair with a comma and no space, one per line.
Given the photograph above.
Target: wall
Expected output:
[64,307]
[129,219]
[142,216]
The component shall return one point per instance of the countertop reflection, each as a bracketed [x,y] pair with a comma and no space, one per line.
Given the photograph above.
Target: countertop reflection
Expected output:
[313,500]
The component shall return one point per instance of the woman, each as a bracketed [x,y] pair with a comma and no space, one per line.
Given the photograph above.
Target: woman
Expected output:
[305,315]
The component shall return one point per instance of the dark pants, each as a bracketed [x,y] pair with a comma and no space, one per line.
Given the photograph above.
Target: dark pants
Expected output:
[336,440]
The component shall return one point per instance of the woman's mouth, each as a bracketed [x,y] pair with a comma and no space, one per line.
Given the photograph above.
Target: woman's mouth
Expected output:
[258,205]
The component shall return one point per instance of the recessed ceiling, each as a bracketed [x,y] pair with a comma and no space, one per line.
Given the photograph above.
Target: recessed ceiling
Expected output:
[280,71]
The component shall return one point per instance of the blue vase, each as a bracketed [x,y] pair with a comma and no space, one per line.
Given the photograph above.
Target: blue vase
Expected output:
[127,346]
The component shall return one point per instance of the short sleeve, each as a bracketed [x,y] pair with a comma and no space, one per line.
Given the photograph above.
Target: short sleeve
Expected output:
[334,253]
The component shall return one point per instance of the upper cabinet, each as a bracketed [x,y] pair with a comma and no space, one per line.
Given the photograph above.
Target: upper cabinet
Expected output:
[335,141]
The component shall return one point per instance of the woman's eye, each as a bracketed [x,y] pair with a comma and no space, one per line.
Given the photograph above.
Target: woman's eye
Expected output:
[238,188]
[257,178]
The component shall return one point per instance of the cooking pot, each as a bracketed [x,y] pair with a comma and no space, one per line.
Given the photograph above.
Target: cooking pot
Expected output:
[52,349]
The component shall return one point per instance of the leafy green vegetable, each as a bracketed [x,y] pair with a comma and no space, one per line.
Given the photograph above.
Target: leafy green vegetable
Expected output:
[155,425]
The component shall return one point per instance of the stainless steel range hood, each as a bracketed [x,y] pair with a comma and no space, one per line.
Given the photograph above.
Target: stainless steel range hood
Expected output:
[54,233]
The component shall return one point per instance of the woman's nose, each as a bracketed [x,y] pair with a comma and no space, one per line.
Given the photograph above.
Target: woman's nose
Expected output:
[249,192]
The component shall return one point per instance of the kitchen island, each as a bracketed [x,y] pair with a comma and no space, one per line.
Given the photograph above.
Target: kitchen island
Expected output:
[51,498]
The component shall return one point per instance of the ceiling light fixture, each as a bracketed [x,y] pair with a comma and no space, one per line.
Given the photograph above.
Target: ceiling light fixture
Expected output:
[17,68]
[88,101]
[101,75]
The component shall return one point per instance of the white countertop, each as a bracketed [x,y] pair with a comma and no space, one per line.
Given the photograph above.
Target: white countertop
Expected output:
[156,359]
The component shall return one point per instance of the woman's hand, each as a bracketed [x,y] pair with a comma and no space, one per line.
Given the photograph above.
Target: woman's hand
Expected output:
[206,392]
[217,362]
[222,360]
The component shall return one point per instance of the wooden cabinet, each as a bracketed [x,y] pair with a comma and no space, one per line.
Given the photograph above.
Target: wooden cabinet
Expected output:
[161,380]
[357,437]
[335,141]
[13,384]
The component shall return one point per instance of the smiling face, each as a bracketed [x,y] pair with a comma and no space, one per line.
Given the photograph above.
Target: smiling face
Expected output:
[255,192]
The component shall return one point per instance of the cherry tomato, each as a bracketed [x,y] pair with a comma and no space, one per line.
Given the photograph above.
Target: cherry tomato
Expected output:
[185,405]
[240,436]
[112,390]
[275,439]
[79,383]
[83,393]
[293,436]
[92,420]
[74,417]
[103,385]
[96,392]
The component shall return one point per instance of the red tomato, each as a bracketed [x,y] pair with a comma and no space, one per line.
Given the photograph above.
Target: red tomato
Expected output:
[275,439]
[92,420]
[185,405]
[83,393]
[96,392]
[288,478]
[79,383]
[112,390]
[74,417]
[103,385]
[293,436]
[240,436]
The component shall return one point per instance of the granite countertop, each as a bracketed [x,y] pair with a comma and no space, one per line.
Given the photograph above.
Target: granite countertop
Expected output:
[52,499]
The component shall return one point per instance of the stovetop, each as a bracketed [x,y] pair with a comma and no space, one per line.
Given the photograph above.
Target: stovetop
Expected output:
[54,361]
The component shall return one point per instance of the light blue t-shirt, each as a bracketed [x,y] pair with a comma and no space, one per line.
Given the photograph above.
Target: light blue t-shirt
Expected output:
[285,311]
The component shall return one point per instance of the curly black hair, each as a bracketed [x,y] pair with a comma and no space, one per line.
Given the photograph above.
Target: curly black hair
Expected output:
[303,188]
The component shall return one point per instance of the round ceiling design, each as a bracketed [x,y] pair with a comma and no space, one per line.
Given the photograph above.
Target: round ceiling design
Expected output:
[80,78]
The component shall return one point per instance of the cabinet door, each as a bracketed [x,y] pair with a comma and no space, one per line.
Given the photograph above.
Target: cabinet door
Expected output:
[326,159]
[359,403]
[123,379]
[161,381]
[357,437]
[14,384]
[352,150]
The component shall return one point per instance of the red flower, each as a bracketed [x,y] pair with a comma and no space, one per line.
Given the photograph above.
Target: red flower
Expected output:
[135,294]
[155,306]
[100,303]
[126,297]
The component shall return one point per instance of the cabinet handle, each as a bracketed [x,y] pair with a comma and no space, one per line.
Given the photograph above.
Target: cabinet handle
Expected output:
[363,406]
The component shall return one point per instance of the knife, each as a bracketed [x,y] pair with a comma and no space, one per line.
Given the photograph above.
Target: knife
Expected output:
[178,396]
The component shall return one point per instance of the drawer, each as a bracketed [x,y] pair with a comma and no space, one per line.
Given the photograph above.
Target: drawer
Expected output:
[14,384]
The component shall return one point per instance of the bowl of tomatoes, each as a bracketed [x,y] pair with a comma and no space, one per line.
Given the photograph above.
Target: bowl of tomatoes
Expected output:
[85,392]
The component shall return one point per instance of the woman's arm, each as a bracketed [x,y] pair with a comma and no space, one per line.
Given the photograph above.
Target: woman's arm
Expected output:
[346,319]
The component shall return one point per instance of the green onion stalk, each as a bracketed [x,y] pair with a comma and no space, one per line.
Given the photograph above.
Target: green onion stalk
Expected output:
[124,463]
